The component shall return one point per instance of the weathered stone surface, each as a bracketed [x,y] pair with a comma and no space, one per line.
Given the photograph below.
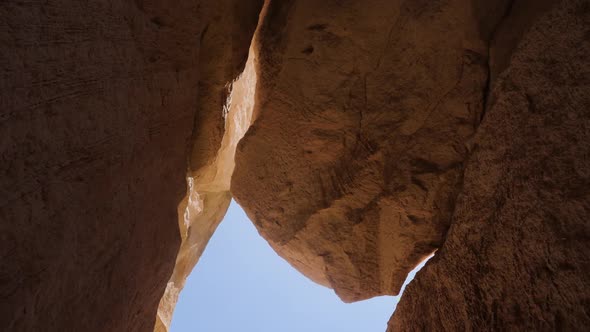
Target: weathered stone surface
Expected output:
[208,195]
[98,106]
[219,126]
[517,256]
[351,167]
[366,147]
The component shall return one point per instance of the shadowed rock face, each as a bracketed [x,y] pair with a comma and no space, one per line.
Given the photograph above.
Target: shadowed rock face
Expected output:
[367,153]
[351,167]
[98,107]
[516,256]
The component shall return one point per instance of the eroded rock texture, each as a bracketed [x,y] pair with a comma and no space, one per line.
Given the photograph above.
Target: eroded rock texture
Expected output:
[516,256]
[99,101]
[208,195]
[225,103]
[351,167]
[366,154]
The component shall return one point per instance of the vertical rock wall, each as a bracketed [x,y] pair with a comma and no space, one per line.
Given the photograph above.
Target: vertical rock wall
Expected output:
[516,256]
[100,104]
[367,153]
[208,195]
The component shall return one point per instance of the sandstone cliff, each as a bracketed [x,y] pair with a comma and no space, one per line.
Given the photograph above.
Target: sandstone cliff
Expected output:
[380,132]
[362,117]
[367,128]
[225,103]
[100,103]
[516,256]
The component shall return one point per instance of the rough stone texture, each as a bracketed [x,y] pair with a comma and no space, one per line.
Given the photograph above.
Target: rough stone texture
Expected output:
[517,256]
[218,127]
[351,167]
[208,195]
[98,101]
[366,148]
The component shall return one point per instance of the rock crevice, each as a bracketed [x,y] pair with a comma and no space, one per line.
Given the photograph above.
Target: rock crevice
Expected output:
[380,131]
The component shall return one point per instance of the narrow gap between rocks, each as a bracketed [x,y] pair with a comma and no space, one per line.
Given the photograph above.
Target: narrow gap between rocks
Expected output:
[208,193]
[241,284]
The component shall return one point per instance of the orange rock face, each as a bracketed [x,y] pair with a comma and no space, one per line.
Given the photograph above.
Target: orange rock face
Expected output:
[382,130]
[365,120]
[352,165]
[222,120]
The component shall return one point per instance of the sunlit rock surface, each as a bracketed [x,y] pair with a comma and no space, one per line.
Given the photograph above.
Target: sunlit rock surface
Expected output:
[219,125]
[366,116]
[363,116]
[381,131]
[208,194]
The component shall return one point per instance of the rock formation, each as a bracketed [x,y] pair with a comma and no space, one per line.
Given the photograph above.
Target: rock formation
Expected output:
[366,115]
[227,110]
[516,256]
[362,117]
[99,108]
[381,131]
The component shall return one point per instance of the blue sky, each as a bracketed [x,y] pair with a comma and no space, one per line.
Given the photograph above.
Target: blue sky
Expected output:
[241,284]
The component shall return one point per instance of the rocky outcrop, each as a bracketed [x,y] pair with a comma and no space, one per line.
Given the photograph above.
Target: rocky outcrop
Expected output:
[516,256]
[367,152]
[101,101]
[357,148]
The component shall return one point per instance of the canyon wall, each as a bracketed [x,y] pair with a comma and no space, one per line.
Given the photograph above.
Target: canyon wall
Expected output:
[516,256]
[381,131]
[101,103]
[367,146]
